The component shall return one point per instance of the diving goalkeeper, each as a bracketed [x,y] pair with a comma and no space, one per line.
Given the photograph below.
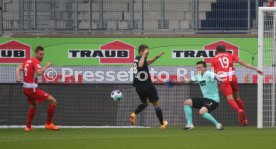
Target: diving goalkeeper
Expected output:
[207,81]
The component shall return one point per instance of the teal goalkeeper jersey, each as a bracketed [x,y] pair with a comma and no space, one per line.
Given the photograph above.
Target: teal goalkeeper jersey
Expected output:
[208,85]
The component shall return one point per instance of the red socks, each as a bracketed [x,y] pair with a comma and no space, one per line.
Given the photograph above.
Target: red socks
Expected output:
[234,104]
[241,105]
[51,110]
[31,114]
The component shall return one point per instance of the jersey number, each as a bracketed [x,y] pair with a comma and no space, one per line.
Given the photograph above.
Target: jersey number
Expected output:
[224,61]
[135,70]
[26,69]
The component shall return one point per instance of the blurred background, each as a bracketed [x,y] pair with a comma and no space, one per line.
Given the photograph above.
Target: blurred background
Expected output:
[130,16]
[115,25]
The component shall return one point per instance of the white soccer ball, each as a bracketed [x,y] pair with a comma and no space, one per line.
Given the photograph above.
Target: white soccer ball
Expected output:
[116,95]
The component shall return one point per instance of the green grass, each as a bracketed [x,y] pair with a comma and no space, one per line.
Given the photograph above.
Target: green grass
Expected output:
[153,138]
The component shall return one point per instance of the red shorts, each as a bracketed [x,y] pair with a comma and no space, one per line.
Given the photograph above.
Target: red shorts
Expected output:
[229,86]
[38,96]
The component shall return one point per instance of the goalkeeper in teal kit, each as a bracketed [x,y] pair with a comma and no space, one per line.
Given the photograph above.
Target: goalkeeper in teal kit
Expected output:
[207,81]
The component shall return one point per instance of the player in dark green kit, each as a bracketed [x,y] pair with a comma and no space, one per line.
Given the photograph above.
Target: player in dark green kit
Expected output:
[144,86]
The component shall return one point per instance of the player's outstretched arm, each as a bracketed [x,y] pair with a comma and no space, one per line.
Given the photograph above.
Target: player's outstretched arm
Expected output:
[155,58]
[142,59]
[18,72]
[40,72]
[172,83]
[243,63]
[186,80]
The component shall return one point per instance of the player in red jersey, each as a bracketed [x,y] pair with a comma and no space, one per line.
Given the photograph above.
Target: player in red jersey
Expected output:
[223,65]
[31,69]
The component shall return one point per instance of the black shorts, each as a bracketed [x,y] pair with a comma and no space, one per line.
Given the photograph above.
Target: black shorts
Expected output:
[147,92]
[198,103]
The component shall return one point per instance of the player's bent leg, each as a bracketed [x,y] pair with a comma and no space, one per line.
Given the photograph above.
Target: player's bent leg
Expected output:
[188,102]
[241,105]
[159,114]
[31,113]
[188,114]
[236,95]
[233,103]
[144,99]
[239,100]
[202,111]
[51,109]
[227,91]
[139,109]
[52,100]
[235,106]
[204,114]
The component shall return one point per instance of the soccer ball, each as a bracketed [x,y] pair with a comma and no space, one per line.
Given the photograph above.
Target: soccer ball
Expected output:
[116,95]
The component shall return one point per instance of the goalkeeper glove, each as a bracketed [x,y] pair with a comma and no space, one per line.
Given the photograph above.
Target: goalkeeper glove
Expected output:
[170,83]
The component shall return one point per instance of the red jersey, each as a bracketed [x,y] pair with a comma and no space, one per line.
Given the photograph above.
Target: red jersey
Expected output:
[30,87]
[270,4]
[29,70]
[224,62]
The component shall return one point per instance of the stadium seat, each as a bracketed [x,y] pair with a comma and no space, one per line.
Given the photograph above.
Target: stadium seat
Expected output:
[84,25]
[213,14]
[123,25]
[112,25]
[229,15]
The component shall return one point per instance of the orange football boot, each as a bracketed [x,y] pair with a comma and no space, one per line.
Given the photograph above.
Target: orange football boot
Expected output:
[51,126]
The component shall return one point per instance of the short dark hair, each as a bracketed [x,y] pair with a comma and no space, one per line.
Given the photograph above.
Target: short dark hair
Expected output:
[221,48]
[39,48]
[201,62]
[142,48]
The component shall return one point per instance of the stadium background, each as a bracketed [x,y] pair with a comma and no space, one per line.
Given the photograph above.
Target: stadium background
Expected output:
[90,24]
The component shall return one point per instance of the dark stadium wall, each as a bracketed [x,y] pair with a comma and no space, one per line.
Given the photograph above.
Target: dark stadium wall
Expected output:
[91,105]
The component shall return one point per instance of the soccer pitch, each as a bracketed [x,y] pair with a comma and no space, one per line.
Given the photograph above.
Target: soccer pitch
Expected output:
[152,138]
